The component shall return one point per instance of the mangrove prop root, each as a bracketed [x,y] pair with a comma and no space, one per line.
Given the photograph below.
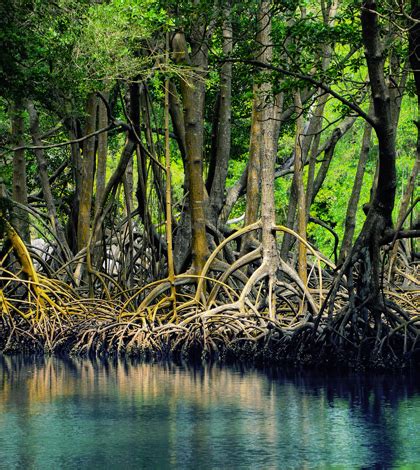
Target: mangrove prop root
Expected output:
[218,312]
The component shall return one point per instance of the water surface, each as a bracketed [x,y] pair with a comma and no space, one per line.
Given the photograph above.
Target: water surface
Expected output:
[99,415]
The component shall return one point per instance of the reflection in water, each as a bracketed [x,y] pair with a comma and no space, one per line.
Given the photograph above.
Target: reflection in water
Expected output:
[94,414]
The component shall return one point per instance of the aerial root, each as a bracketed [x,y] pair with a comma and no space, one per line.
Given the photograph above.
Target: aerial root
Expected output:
[242,309]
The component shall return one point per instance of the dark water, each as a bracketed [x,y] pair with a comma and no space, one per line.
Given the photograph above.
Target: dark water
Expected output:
[82,414]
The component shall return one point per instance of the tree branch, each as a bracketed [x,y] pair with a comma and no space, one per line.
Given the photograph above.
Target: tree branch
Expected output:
[112,126]
[354,107]
[392,235]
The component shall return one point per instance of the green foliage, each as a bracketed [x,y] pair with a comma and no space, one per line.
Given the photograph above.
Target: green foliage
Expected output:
[332,200]
[57,52]
[37,40]
[117,40]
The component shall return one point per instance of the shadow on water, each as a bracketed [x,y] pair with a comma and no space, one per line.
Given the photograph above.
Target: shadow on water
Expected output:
[77,413]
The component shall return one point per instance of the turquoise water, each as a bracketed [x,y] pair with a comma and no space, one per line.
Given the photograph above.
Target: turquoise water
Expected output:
[78,414]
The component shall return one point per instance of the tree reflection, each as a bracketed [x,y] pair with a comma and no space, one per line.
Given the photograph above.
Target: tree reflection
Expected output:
[184,415]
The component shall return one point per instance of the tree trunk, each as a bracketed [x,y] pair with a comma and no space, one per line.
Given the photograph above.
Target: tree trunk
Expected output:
[318,116]
[328,149]
[20,191]
[405,201]
[141,98]
[366,250]
[350,222]
[88,165]
[308,147]
[217,176]
[300,189]
[193,94]
[260,109]
[270,116]
[414,56]
[72,222]
[101,152]
[44,180]
[305,142]
[254,162]
[240,188]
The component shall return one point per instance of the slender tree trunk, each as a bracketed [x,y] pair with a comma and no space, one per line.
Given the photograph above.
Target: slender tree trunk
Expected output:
[414,57]
[405,201]
[88,165]
[261,92]
[350,222]
[366,250]
[287,242]
[193,94]
[147,117]
[182,234]
[102,152]
[318,116]
[72,222]
[306,139]
[44,179]
[254,162]
[328,150]
[20,190]
[216,184]
[270,115]
[134,111]
[309,144]
[177,119]
[268,161]
[240,188]
[300,189]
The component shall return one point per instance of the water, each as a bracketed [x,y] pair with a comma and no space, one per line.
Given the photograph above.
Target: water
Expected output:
[97,415]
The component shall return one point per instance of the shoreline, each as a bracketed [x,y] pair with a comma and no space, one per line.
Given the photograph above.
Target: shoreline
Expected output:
[267,351]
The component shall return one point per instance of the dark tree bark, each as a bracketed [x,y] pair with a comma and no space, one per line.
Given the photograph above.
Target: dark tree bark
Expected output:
[219,164]
[300,189]
[350,222]
[414,59]
[88,166]
[71,227]
[101,152]
[20,190]
[383,202]
[366,250]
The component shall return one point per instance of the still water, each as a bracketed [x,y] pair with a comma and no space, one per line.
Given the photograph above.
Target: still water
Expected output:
[82,414]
